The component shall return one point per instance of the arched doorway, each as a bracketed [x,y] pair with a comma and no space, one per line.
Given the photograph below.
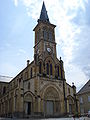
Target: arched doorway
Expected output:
[28,104]
[71,104]
[51,102]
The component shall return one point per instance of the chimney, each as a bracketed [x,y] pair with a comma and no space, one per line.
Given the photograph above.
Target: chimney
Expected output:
[28,62]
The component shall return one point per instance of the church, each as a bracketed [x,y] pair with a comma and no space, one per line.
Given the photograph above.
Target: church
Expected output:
[41,88]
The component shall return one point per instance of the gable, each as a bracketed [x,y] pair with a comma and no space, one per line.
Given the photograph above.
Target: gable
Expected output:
[85,88]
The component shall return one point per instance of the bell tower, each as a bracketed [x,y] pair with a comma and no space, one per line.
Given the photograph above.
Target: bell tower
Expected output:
[44,35]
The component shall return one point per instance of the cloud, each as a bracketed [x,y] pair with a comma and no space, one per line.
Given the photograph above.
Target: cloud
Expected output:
[5,67]
[16,3]
[75,74]
[71,32]
[8,45]
[82,53]
[21,52]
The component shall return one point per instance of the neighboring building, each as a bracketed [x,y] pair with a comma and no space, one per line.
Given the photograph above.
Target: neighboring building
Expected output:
[4,85]
[40,88]
[84,98]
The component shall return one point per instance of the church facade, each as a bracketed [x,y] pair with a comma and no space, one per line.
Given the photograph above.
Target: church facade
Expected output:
[41,88]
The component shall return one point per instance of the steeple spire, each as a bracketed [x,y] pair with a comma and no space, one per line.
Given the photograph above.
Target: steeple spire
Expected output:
[43,15]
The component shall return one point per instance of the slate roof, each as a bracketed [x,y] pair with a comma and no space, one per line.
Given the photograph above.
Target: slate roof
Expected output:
[43,14]
[85,88]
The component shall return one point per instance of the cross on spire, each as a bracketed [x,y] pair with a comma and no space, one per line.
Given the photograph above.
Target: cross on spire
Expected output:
[43,15]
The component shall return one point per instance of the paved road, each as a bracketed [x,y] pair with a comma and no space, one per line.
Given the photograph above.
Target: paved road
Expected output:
[81,118]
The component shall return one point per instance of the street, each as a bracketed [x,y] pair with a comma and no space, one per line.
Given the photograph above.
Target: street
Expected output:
[81,118]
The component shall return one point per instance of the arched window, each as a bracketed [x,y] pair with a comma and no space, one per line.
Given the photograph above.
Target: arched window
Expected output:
[31,72]
[45,35]
[38,35]
[50,35]
[58,70]
[69,90]
[4,90]
[50,69]
[40,67]
[47,69]
[29,85]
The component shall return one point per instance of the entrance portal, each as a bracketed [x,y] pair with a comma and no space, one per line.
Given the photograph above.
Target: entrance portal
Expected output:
[29,108]
[49,108]
[28,104]
[70,100]
[70,109]
[51,98]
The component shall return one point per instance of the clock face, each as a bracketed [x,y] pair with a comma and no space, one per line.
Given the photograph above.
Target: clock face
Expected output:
[49,49]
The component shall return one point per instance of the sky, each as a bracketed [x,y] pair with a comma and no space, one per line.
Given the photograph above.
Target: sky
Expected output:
[72,33]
